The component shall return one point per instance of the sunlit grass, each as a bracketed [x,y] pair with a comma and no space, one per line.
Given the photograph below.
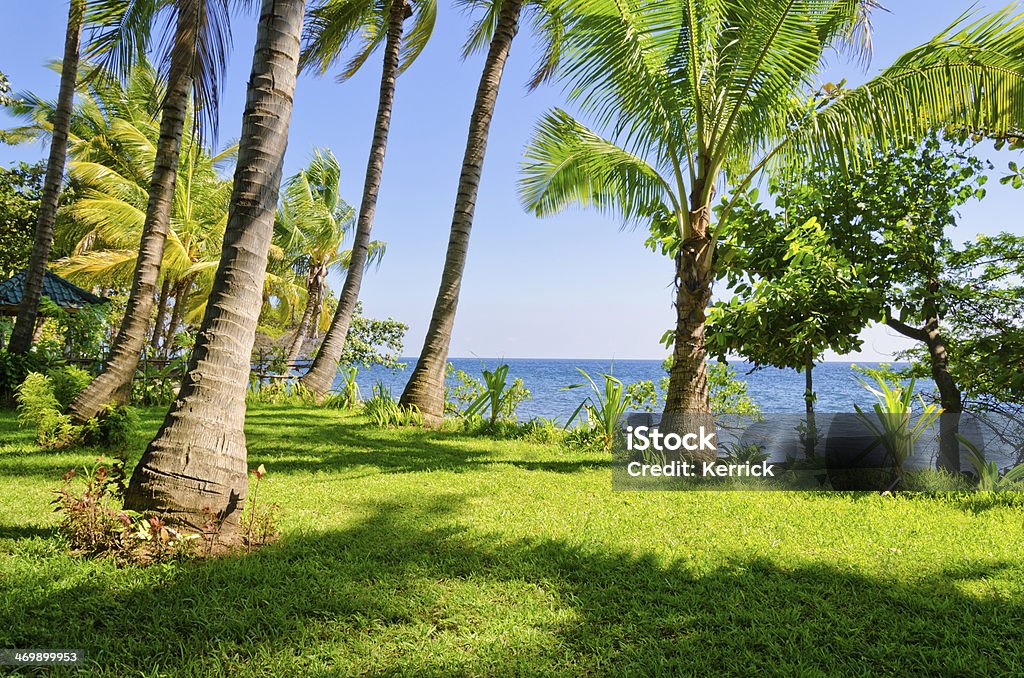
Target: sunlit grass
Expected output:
[414,552]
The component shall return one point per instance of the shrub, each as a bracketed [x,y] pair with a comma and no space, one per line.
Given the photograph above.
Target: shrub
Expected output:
[112,428]
[604,408]
[68,381]
[498,398]
[93,526]
[14,367]
[280,392]
[543,430]
[38,408]
[383,411]
[349,396]
[464,390]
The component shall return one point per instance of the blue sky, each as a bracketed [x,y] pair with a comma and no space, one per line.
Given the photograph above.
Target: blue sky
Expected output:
[573,286]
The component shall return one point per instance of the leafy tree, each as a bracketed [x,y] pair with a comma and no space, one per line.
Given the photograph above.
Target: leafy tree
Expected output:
[694,95]
[891,221]
[24,325]
[312,221]
[796,296]
[196,465]
[332,25]
[20,190]
[5,88]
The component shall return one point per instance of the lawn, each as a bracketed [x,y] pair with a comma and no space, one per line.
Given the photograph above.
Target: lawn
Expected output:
[427,553]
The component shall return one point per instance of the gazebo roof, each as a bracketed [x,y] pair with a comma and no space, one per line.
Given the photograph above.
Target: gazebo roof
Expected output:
[68,296]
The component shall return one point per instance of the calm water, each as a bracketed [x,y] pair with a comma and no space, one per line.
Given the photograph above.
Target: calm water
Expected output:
[774,390]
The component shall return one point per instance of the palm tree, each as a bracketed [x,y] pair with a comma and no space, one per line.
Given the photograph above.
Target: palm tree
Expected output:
[331,27]
[24,325]
[694,99]
[196,465]
[496,30]
[312,222]
[196,61]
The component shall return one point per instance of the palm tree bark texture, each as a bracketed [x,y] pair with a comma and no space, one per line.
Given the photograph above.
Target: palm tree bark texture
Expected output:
[425,389]
[112,385]
[320,376]
[28,311]
[195,467]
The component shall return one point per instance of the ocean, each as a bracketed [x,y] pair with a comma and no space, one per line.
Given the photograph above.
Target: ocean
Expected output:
[772,389]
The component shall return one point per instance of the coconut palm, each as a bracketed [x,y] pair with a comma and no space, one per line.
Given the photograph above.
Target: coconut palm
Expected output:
[332,26]
[24,325]
[697,95]
[196,59]
[112,146]
[495,30]
[312,222]
[196,465]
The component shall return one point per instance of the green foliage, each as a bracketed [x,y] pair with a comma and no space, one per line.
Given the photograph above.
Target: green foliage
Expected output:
[384,411]
[499,398]
[989,477]
[604,407]
[39,409]
[157,385]
[374,342]
[728,395]
[349,397]
[68,381]
[893,424]
[278,392]
[750,453]
[20,189]
[112,428]
[14,367]
[460,389]
[94,526]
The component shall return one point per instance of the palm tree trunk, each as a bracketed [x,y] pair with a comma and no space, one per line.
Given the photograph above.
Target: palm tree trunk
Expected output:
[25,325]
[110,385]
[181,291]
[312,301]
[320,376]
[161,313]
[688,403]
[425,389]
[196,465]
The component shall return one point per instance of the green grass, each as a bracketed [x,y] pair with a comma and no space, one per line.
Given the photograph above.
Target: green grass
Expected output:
[424,553]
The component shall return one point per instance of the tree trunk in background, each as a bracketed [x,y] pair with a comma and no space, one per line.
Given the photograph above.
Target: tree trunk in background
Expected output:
[950,398]
[425,389]
[28,311]
[196,465]
[321,373]
[312,301]
[161,313]
[181,291]
[110,386]
[811,433]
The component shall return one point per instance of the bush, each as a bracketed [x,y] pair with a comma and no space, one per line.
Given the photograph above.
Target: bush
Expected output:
[280,392]
[112,428]
[93,526]
[14,367]
[383,411]
[38,408]
[68,381]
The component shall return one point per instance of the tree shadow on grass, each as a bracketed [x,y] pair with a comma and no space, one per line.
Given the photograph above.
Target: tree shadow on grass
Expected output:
[340,444]
[408,590]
